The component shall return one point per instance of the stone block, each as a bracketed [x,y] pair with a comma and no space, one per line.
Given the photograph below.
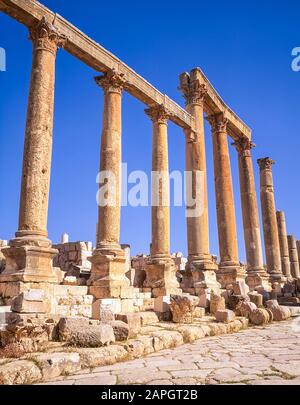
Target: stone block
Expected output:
[280,313]
[256,298]
[217,303]
[127,305]
[32,301]
[53,365]
[199,312]
[259,317]
[113,304]
[148,318]
[225,316]
[162,304]
[133,321]
[245,308]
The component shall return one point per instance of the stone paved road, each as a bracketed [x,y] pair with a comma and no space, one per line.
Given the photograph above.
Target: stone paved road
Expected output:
[257,356]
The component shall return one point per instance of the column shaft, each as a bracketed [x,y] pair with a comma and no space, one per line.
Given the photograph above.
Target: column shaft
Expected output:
[197,226]
[284,247]
[224,193]
[294,259]
[271,238]
[251,226]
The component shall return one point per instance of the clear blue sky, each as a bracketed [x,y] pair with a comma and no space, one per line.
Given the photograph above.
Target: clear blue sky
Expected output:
[243,47]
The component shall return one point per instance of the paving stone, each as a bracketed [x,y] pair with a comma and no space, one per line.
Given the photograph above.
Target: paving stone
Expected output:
[97,380]
[141,376]
[160,382]
[191,373]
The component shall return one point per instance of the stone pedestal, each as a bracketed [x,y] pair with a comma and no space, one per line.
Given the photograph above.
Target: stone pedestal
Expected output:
[283,242]
[230,269]
[199,258]
[160,269]
[108,279]
[272,247]
[29,255]
[294,260]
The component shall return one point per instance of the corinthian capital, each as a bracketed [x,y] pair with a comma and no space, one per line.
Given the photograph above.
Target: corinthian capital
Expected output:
[158,114]
[45,36]
[265,163]
[111,81]
[218,122]
[192,90]
[244,146]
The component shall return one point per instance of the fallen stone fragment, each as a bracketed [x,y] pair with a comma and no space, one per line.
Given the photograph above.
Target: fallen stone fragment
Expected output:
[217,303]
[70,325]
[183,307]
[19,372]
[121,330]
[256,298]
[245,308]
[259,317]
[134,322]
[148,318]
[280,313]
[240,288]
[55,364]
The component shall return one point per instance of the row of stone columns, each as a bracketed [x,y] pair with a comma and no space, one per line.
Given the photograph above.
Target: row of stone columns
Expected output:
[29,257]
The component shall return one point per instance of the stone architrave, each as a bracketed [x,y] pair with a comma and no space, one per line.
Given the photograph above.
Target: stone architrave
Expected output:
[271,238]
[29,256]
[230,269]
[160,270]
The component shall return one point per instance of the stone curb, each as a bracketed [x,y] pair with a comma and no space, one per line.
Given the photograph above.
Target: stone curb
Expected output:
[42,367]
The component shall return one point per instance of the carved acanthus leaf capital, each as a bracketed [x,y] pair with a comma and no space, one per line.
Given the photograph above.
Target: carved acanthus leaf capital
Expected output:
[244,146]
[193,91]
[218,122]
[158,114]
[265,163]
[45,36]
[111,81]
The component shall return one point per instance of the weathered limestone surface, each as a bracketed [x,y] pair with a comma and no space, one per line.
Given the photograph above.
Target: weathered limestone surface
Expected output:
[283,242]
[229,269]
[272,247]
[294,259]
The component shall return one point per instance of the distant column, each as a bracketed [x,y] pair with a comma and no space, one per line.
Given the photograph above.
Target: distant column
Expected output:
[284,247]
[271,237]
[294,257]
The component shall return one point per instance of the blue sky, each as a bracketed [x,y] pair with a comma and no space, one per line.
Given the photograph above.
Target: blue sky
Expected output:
[243,47]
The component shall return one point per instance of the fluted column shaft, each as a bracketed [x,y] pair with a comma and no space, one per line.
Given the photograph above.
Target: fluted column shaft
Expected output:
[197,226]
[36,170]
[271,238]
[251,226]
[160,184]
[109,211]
[224,193]
[283,242]
[294,259]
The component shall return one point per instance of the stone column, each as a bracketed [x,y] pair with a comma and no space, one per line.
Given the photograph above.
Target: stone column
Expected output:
[229,268]
[256,274]
[283,242]
[272,248]
[29,257]
[160,271]
[294,259]
[107,279]
[199,258]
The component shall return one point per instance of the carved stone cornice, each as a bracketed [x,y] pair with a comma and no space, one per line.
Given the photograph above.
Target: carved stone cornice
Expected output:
[158,114]
[244,146]
[265,163]
[45,36]
[111,81]
[193,91]
[218,123]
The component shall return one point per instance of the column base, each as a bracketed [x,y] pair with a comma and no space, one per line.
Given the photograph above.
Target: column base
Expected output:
[230,273]
[108,279]
[161,277]
[29,263]
[258,278]
[276,277]
[198,269]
